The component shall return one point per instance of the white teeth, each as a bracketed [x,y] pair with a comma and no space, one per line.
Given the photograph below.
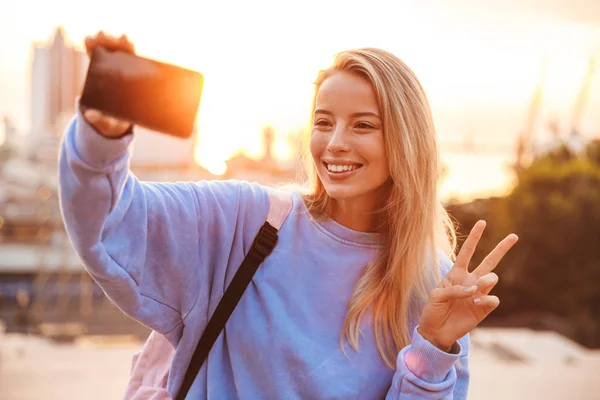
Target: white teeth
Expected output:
[340,168]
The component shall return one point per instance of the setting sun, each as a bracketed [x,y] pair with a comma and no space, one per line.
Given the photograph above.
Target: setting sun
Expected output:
[260,71]
[115,230]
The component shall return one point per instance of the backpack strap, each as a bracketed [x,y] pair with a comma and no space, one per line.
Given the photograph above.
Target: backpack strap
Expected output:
[280,205]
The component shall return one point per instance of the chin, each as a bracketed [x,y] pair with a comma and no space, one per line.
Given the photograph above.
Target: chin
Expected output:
[339,192]
[362,191]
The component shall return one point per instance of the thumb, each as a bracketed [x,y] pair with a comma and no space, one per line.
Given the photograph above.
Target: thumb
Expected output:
[92,116]
[105,125]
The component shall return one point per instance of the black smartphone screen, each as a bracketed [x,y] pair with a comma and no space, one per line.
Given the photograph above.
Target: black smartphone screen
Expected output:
[159,96]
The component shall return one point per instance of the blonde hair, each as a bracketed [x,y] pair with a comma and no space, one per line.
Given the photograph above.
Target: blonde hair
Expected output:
[416,226]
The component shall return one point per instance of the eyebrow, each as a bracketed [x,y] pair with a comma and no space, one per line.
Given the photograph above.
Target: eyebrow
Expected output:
[358,114]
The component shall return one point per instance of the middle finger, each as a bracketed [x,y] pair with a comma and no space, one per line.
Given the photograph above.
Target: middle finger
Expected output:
[492,259]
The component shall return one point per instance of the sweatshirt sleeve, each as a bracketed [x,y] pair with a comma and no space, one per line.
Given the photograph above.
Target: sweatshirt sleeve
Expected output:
[151,247]
[425,372]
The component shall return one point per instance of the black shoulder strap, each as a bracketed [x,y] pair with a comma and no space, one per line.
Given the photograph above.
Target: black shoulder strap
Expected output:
[261,247]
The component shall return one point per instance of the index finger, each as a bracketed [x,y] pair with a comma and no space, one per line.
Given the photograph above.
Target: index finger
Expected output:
[492,259]
[468,248]
[111,43]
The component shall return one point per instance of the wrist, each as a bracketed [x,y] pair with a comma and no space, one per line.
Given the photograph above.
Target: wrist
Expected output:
[93,148]
[127,132]
[435,341]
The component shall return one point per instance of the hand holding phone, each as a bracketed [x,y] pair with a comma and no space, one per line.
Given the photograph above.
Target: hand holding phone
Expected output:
[129,88]
[104,124]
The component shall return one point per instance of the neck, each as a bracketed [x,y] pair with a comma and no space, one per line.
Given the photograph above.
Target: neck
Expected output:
[357,214]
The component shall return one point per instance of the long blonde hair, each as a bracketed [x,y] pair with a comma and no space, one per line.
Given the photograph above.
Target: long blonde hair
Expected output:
[417,226]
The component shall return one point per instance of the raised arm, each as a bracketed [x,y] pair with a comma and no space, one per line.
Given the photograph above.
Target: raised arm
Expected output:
[152,247]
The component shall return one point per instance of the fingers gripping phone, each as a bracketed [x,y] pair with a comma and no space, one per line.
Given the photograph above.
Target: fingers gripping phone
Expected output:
[159,96]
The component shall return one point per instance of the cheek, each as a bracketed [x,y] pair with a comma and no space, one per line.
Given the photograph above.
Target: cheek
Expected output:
[385,169]
[378,158]
[383,161]
[316,146]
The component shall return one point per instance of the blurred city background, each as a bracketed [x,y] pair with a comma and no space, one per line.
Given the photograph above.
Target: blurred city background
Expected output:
[515,94]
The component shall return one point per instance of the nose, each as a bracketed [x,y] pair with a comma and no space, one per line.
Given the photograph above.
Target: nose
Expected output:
[338,141]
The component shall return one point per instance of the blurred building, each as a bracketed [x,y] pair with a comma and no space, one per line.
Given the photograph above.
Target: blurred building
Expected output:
[266,169]
[58,72]
[159,157]
[57,75]
[29,212]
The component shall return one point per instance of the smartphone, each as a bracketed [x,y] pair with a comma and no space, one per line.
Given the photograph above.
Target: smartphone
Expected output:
[156,95]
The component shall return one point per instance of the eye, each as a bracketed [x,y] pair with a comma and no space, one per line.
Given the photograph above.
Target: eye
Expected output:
[364,125]
[322,123]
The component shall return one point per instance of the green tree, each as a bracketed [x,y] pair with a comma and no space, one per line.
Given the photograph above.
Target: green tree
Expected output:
[551,278]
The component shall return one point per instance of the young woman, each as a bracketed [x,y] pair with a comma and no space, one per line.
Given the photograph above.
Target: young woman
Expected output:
[360,299]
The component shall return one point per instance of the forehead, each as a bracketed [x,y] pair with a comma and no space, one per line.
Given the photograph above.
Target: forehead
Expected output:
[345,91]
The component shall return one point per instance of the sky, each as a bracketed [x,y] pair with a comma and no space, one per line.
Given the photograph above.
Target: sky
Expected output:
[479,61]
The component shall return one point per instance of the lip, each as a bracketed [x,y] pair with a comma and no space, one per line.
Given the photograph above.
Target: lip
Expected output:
[339,161]
[338,176]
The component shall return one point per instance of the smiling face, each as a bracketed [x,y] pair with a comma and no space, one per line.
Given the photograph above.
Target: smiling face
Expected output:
[347,143]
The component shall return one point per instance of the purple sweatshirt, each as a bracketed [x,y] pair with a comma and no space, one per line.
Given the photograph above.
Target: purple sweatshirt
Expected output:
[165,252]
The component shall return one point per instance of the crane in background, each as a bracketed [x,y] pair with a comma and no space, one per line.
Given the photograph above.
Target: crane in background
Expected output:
[582,99]
[573,138]
[525,139]
[524,147]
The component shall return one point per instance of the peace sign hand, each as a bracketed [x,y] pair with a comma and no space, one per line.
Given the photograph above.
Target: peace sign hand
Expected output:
[461,300]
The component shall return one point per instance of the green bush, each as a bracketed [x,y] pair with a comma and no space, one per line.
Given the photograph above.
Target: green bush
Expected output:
[551,278]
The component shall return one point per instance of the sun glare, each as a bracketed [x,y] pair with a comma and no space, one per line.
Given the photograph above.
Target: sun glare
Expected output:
[214,164]
[236,107]
[282,150]
[250,82]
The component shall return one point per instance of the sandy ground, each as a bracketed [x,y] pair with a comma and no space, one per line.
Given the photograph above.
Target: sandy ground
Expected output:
[34,369]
